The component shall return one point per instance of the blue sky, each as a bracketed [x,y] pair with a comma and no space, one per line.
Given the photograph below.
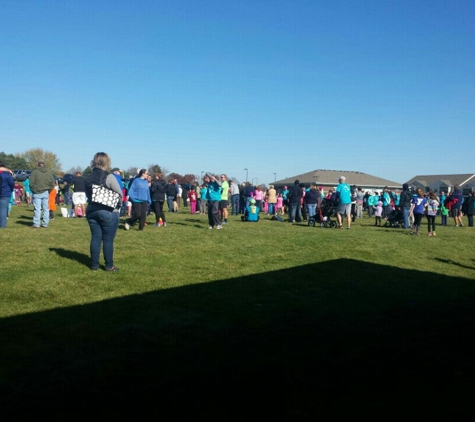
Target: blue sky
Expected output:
[382,87]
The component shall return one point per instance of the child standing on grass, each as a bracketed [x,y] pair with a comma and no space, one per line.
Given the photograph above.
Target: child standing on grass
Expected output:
[417,210]
[378,213]
[192,197]
[279,205]
[52,203]
[444,212]
[431,212]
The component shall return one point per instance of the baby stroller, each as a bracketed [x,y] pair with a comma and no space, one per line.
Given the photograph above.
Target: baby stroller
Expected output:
[323,216]
[395,219]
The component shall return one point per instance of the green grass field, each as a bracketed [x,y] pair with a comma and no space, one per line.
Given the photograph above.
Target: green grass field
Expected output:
[268,320]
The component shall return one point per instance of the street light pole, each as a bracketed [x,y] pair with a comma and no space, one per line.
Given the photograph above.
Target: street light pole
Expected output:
[202,177]
[275,177]
[252,180]
[246,175]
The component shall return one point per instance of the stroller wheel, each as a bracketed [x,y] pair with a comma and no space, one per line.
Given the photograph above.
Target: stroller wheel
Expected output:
[323,225]
[311,222]
[333,224]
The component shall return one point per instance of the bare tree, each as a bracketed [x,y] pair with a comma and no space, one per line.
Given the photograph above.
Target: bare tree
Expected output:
[74,170]
[132,171]
[32,156]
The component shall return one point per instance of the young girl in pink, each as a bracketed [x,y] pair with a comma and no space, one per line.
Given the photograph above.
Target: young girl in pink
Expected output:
[192,197]
[279,205]
[266,204]
[258,196]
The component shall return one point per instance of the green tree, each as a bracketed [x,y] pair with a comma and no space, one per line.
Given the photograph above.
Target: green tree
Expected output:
[32,156]
[87,170]
[13,162]
[154,168]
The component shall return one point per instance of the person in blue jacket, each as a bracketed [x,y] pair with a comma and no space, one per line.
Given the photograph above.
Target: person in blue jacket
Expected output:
[139,195]
[6,188]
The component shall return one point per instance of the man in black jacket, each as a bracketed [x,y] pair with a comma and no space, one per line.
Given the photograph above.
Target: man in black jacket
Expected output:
[295,195]
[171,195]
[405,200]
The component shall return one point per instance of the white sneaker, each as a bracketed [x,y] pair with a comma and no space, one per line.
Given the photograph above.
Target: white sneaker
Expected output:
[210,228]
[219,227]
[127,227]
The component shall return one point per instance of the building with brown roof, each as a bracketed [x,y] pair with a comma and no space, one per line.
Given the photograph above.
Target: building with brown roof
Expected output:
[329,179]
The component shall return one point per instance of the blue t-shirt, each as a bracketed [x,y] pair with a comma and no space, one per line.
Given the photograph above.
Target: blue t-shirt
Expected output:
[419,204]
[345,193]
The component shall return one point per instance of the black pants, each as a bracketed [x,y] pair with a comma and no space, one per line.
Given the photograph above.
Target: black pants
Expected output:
[139,213]
[470,220]
[417,221]
[213,213]
[431,223]
[303,209]
[157,207]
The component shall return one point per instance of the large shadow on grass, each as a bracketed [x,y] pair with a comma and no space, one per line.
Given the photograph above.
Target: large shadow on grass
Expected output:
[335,339]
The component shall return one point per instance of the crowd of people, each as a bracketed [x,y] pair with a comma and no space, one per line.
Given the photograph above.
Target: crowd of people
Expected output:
[215,197]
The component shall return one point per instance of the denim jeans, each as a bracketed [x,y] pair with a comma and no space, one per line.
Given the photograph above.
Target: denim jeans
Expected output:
[103,225]
[4,210]
[271,209]
[311,209]
[40,203]
[68,198]
[170,203]
[294,212]
[405,216]
[235,204]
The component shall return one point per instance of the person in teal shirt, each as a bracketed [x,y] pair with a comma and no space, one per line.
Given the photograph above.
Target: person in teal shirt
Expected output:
[213,196]
[343,192]
[252,212]
[26,187]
